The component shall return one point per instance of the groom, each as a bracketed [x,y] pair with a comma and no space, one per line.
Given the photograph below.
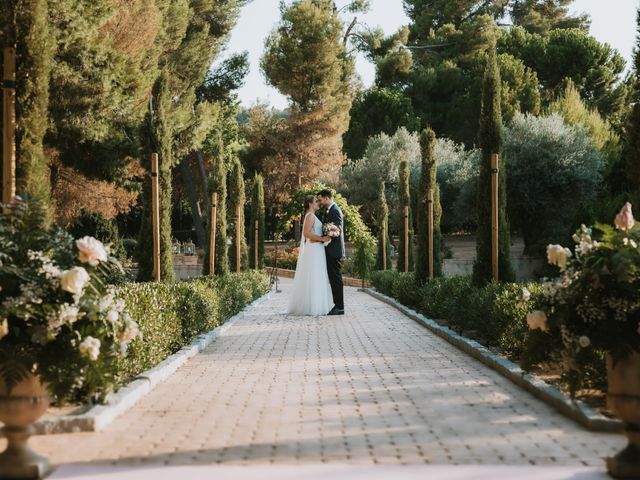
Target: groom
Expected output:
[334,251]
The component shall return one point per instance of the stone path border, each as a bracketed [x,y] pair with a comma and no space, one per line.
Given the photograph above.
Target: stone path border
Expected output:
[575,410]
[98,417]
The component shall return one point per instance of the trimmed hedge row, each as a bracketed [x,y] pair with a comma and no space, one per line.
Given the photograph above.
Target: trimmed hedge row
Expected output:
[494,314]
[170,315]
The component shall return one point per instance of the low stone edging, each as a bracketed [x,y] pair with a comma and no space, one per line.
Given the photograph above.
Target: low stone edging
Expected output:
[348,281]
[98,417]
[575,410]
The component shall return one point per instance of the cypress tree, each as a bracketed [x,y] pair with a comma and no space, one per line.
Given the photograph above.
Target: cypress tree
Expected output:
[34,55]
[257,215]
[237,200]
[218,184]
[404,197]
[491,141]
[160,133]
[633,126]
[383,229]
[427,182]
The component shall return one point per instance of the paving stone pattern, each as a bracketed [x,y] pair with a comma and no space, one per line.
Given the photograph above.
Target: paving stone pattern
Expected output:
[369,387]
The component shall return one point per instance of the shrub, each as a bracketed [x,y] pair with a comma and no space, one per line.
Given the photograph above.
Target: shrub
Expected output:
[171,315]
[567,170]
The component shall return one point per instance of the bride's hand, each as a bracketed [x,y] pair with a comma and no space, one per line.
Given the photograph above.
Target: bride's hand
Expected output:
[326,238]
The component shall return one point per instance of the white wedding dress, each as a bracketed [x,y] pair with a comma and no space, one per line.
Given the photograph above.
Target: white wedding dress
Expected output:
[311,294]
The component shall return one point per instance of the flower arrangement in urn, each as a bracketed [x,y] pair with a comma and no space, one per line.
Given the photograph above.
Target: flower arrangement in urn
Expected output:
[62,328]
[594,305]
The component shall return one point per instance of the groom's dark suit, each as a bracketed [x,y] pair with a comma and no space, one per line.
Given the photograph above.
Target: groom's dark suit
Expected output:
[335,255]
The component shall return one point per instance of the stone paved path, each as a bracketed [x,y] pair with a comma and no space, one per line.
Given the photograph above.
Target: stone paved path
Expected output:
[369,387]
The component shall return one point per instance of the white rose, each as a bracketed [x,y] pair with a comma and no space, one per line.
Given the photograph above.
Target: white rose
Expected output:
[74,280]
[526,294]
[91,251]
[90,348]
[584,341]
[112,316]
[4,328]
[68,314]
[537,320]
[558,255]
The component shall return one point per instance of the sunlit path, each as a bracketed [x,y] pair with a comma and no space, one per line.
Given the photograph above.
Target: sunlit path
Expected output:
[369,387]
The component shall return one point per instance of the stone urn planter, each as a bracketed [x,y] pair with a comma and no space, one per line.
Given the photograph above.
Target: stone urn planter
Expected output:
[19,409]
[623,399]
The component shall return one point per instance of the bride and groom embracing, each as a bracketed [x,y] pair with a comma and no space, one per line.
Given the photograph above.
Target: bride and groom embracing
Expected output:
[317,286]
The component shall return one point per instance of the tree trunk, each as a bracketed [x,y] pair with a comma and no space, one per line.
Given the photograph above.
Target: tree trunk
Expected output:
[203,181]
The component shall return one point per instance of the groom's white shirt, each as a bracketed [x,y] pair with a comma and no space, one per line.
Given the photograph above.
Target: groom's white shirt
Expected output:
[331,206]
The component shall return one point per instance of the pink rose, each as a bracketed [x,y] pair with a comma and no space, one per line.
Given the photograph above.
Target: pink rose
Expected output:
[91,251]
[624,219]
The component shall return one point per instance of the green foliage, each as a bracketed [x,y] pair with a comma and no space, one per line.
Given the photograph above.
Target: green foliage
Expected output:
[404,202]
[257,215]
[595,68]
[95,225]
[632,148]
[364,256]
[237,200]
[568,172]
[458,181]
[171,315]
[542,16]
[354,226]
[218,184]
[380,163]
[34,58]
[490,138]
[384,239]
[377,110]
[428,183]
[576,113]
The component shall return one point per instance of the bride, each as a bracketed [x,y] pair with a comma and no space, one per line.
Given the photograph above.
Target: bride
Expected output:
[311,294]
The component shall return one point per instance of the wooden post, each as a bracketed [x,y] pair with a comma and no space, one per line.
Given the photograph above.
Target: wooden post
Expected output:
[494,216]
[238,238]
[406,239]
[213,230]
[155,216]
[8,126]
[430,230]
[384,247]
[256,239]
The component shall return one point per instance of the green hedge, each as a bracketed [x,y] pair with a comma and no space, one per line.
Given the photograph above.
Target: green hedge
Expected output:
[493,313]
[171,315]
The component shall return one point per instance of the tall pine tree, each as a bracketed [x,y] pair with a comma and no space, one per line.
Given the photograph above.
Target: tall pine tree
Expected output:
[428,182]
[235,214]
[257,215]
[491,141]
[633,127]
[384,240]
[404,200]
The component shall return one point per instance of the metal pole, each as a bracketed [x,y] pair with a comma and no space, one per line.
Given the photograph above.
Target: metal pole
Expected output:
[406,239]
[238,237]
[9,126]
[494,216]
[430,230]
[155,216]
[213,229]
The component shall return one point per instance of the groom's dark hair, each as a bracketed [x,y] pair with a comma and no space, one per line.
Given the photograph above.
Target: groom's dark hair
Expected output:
[325,193]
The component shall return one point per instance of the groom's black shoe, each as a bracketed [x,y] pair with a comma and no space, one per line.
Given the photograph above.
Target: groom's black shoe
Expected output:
[336,311]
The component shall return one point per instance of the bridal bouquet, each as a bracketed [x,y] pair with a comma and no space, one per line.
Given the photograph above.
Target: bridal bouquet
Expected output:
[59,318]
[595,302]
[331,230]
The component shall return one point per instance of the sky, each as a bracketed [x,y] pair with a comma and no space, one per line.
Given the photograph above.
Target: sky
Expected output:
[612,22]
